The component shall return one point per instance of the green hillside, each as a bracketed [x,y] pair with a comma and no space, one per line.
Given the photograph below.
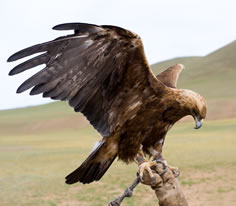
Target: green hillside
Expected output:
[46,117]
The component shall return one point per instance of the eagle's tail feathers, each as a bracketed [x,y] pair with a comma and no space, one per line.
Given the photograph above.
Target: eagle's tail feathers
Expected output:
[93,168]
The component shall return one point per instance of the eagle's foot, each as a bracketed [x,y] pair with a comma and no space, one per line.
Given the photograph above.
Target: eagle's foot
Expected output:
[146,166]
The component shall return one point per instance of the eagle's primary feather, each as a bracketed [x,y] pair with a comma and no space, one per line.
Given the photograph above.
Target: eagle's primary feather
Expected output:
[102,72]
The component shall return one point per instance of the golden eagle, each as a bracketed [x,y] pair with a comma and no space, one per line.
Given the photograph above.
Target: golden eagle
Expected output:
[103,73]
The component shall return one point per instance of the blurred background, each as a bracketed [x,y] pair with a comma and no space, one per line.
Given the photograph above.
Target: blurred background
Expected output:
[41,141]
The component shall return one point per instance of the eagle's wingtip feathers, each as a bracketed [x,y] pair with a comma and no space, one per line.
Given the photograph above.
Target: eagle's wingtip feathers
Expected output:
[11,58]
[73,26]
[65,26]
[11,73]
[20,90]
[57,27]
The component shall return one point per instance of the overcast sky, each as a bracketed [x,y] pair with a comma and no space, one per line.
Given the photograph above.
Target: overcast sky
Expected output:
[168,28]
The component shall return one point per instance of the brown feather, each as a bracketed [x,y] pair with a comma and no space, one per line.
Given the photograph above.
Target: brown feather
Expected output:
[170,76]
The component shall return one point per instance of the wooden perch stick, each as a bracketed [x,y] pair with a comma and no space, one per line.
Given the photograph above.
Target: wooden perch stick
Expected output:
[166,187]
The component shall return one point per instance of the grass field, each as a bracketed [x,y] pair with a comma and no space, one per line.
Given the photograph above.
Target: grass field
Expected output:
[34,164]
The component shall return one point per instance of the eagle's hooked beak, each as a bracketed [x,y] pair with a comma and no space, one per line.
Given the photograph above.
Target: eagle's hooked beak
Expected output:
[198,123]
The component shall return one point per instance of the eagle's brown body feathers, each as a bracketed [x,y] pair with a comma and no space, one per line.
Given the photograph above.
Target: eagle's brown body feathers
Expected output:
[102,72]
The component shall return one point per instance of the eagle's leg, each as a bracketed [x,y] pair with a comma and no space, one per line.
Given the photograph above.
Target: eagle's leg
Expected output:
[156,153]
[144,165]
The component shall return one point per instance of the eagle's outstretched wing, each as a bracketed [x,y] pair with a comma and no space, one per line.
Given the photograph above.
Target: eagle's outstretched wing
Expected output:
[93,69]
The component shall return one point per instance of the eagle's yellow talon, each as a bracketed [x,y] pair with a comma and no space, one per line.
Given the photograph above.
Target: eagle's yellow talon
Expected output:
[146,166]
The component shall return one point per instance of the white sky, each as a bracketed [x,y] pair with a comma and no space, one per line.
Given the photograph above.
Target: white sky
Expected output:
[169,28]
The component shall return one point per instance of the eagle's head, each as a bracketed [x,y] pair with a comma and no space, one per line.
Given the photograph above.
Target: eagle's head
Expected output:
[196,106]
[193,104]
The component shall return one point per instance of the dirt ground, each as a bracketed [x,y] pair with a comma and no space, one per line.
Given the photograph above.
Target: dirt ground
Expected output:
[216,187]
